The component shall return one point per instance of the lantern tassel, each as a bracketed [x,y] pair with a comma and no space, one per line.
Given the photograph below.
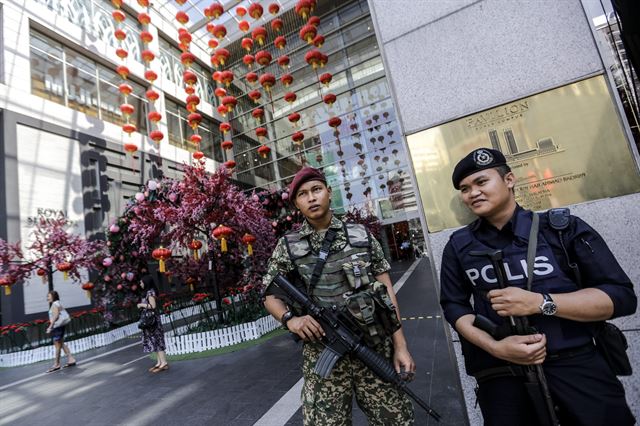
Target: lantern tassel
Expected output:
[191,287]
[161,266]
[250,249]
[88,294]
[7,290]
[65,275]
[196,256]
[223,245]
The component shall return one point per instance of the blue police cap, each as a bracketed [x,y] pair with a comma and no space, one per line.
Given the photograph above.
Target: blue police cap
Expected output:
[476,160]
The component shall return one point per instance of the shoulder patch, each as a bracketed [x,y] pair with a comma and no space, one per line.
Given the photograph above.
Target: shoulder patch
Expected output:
[357,235]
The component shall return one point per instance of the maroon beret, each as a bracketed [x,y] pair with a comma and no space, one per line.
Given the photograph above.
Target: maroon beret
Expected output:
[304,175]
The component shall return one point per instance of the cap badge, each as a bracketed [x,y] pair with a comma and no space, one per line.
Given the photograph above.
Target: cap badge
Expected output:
[482,157]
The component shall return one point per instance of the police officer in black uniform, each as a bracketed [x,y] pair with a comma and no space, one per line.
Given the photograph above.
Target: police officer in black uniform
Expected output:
[582,385]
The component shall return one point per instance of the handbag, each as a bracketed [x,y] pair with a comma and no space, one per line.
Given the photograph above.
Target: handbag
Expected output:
[63,319]
[148,319]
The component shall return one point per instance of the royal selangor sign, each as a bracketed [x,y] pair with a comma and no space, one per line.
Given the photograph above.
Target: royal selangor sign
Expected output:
[565,146]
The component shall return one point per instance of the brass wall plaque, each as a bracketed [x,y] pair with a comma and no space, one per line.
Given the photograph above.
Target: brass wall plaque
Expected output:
[565,146]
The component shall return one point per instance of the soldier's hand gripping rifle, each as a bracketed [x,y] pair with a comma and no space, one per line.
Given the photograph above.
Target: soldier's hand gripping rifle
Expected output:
[536,382]
[341,339]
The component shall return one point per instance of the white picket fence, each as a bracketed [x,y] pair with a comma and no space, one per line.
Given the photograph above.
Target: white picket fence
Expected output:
[198,342]
[44,353]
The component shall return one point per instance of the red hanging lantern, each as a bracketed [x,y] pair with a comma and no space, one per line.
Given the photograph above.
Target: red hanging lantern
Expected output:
[189,77]
[226,77]
[263,58]
[148,56]
[161,255]
[125,89]
[118,15]
[195,245]
[192,103]
[6,282]
[156,136]
[152,95]
[121,53]
[123,71]
[229,102]
[294,118]
[128,128]
[220,92]
[313,58]
[222,110]
[226,145]
[280,42]
[254,95]
[144,18]
[323,59]
[216,10]
[259,34]
[286,79]
[222,55]
[150,75]
[87,287]
[195,139]
[243,26]
[198,155]
[187,59]
[182,17]
[248,240]
[120,34]
[255,10]
[283,61]
[248,60]
[290,97]
[329,99]
[222,233]
[314,20]
[274,8]
[146,37]
[252,77]
[229,164]
[224,127]
[308,32]
[304,8]
[267,80]
[185,39]
[194,120]
[127,109]
[258,113]
[277,24]
[335,122]
[247,44]
[130,148]
[220,31]
[264,151]
[318,40]
[64,267]
[217,76]
[261,132]
[297,137]
[326,78]
[241,11]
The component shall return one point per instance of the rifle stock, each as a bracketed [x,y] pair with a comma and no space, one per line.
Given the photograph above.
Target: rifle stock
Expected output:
[341,339]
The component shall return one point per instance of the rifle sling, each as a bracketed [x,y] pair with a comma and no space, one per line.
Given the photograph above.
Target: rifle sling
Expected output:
[322,258]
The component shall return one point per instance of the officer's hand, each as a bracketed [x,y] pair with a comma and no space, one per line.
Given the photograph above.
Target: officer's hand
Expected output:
[515,301]
[523,350]
[306,327]
[404,364]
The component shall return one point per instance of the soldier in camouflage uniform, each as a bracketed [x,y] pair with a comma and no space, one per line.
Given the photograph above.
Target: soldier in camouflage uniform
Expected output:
[329,401]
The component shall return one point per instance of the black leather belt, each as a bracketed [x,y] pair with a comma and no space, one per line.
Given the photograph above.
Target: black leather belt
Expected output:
[571,352]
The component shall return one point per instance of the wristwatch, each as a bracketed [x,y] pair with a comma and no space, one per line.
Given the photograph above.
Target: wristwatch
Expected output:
[548,306]
[285,318]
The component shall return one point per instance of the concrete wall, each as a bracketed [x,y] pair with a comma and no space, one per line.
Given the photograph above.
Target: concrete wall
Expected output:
[446,60]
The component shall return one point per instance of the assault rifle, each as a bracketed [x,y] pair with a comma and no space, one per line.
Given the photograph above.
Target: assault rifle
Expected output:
[535,381]
[341,339]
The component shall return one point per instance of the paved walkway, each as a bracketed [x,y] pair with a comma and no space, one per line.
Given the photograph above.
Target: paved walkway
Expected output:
[111,386]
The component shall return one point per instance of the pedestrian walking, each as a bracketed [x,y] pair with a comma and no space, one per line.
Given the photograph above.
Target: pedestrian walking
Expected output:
[153,337]
[58,319]
[550,273]
[354,277]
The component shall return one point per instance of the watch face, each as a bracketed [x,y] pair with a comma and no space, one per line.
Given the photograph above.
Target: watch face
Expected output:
[549,308]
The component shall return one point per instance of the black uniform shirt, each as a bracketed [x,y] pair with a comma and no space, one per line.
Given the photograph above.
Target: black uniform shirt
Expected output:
[598,267]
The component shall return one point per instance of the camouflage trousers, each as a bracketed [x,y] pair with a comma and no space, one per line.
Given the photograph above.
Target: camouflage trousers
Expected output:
[328,402]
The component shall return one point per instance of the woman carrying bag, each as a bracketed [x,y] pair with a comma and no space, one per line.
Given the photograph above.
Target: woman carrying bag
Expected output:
[152,332]
[58,319]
